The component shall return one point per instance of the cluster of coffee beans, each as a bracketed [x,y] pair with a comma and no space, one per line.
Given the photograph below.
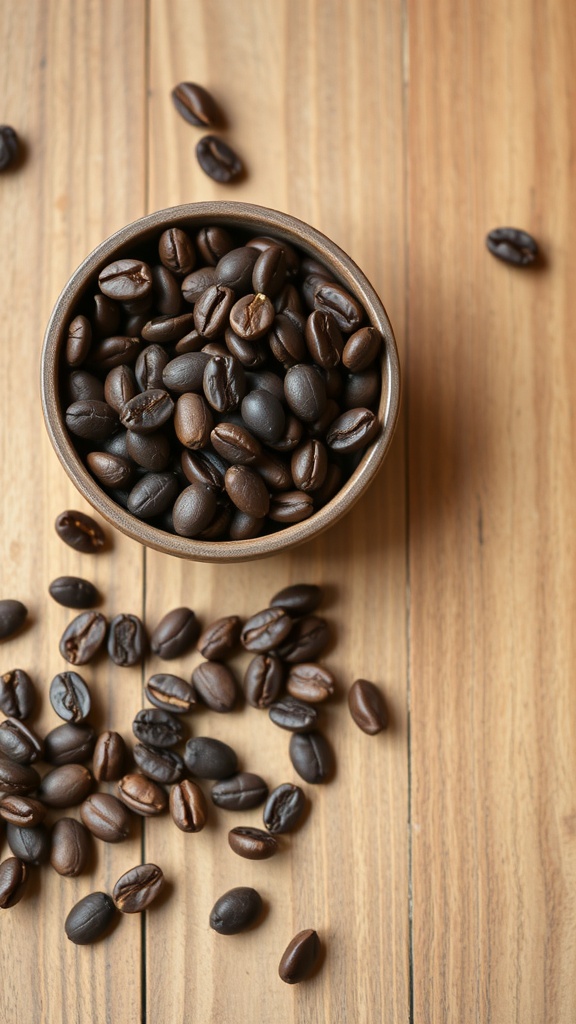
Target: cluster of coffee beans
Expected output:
[199,108]
[221,387]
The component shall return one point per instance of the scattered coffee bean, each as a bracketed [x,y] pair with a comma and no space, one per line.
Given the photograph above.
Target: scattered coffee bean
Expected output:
[83,637]
[142,795]
[208,758]
[310,682]
[170,693]
[300,957]
[89,918]
[70,697]
[215,686]
[196,105]
[106,817]
[252,843]
[293,715]
[74,592]
[307,640]
[236,910]
[312,756]
[266,630]
[175,633]
[263,680]
[17,779]
[65,786]
[109,757]
[19,742]
[163,766]
[188,806]
[157,728]
[240,792]
[13,878]
[24,811]
[218,160]
[12,617]
[32,845]
[284,808]
[16,694]
[127,642]
[299,599]
[136,889]
[512,246]
[70,847]
[8,153]
[69,744]
[367,707]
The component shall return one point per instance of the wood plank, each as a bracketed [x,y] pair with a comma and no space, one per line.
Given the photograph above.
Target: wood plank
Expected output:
[72,80]
[292,78]
[491,384]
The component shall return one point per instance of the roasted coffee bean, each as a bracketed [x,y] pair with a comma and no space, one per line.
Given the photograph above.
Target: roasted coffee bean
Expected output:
[311,282]
[305,392]
[234,270]
[324,339]
[24,811]
[106,316]
[65,786]
[186,372]
[150,451]
[247,490]
[218,160]
[78,341]
[16,694]
[300,957]
[120,386]
[175,633]
[263,680]
[176,251]
[146,412]
[19,742]
[70,697]
[167,293]
[117,444]
[240,792]
[307,640]
[266,630]
[288,298]
[164,330]
[224,383]
[13,871]
[69,744]
[236,910]
[263,415]
[115,351]
[252,354]
[136,889]
[188,806]
[215,686]
[106,817]
[126,280]
[512,246]
[252,843]
[127,641]
[83,637]
[284,808]
[111,470]
[70,847]
[330,297]
[149,368]
[266,381]
[8,153]
[213,242]
[12,617]
[152,495]
[209,758]
[90,419]
[298,599]
[81,385]
[157,728]
[286,342]
[89,918]
[361,390]
[293,431]
[32,845]
[352,431]
[319,428]
[193,421]
[310,682]
[142,795]
[80,532]
[194,510]
[17,779]
[309,465]
[196,283]
[196,106]
[292,714]
[367,707]
[269,272]
[361,349]
[212,309]
[243,527]
[134,324]
[252,316]
[291,507]
[109,757]
[164,766]
[170,693]
[235,444]
[263,242]
[330,487]
[312,756]
[275,472]
[220,638]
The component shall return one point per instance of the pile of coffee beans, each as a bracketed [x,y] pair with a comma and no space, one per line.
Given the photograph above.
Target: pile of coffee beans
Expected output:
[219,385]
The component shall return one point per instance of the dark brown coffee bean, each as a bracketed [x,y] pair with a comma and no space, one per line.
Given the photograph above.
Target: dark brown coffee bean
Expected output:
[244,527]
[224,383]
[312,756]
[167,293]
[78,341]
[204,468]
[109,757]
[319,427]
[149,368]
[81,385]
[120,386]
[218,160]
[16,694]
[212,310]
[24,811]
[157,728]
[513,246]
[70,697]
[213,242]
[32,845]
[220,638]
[263,242]
[196,283]
[324,339]
[264,416]
[246,488]
[288,298]
[263,680]
[265,380]
[170,693]
[269,274]
[150,451]
[188,806]
[142,795]
[70,847]
[240,792]
[163,330]
[145,413]
[234,270]
[69,744]
[194,509]
[136,889]
[252,843]
[111,470]
[83,637]
[193,421]
[176,251]
[361,349]
[330,297]
[186,372]
[309,465]
[293,432]
[305,392]
[92,420]
[352,431]
[105,317]
[275,472]
[191,342]
[310,682]
[127,641]
[251,354]
[300,957]
[106,817]
[65,786]
[13,879]
[89,918]
[236,444]
[266,630]
[133,324]
[284,808]
[209,758]
[19,742]
[196,105]
[152,495]
[215,686]
[293,715]
[330,487]
[163,766]
[236,910]
[252,316]
[126,280]
[286,341]
[367,707]
[79,531]
[310,283]
[307,640]
[115,351]
[298,599]
[291,507]
[9,148]
[176,632]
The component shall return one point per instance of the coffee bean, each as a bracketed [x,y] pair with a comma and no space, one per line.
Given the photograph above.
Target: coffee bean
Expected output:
[90,419]
[331,485]
[152,495]
[32,845]
[244,527]
[117,444]
[110,470]
[24,811]
[136,889]
[188,806]
[324,339]
[89,918]
[305,392]
[127,641]
[146,412]
[149,369]
[106,817]
[12,617]
[300,957]
[218,160]
[269,274]
[164,766]
[224,383]
[79,531]
[252,354]
[109,756]
[70,697]
[106,316]
[235,444]
[252,843]
[284,808]
[193,421]
[19,742]
[309,465]
[176,251]
[215,686]
[263,680]
[292,714]
[213,242]
[126,280]
[513,246]
[196,283]
[16,694]
[266,630]
[17,779]
[78,341]
[142,795]
[240,792]
[196,105]
[220,638]
[311,756]
[263,415]
[330,297]
[298,599]
[212,309]
[275,472]
[367,707]
[235,910]
[13,871]
[150,451]
[70,847]
[209,758]
[286,341]
[252,316]
[186,372]
[69,744]
[307,640]
[246,488]
[176,632]
[291,507]
[293,431]
[8,153]
[118,350]
[352,431]
[167,293]
[361,349]
[157,728]
[65,786]
[266,381]
[83,637]
[194,509]
[170,693]
[80,384]
[310,682]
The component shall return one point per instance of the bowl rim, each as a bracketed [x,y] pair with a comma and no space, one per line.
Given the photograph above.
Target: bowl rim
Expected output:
[261,220]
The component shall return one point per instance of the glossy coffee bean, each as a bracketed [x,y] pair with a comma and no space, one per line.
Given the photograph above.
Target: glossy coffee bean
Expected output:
[148,411]
[252,354]
[70,697]
[208,758]
[266,630]
[170,693]
[69,744]
[220,638]
[264,416]
[78,341]
[310,682]
[224,383]
[17,694]
[218,160]
[286,341]
[352,431]
[80,531]
[13,878]
[106,817]
[152,495]
[212,309]
[17,779]
[361,349]
[194,510]
[307,640]
[235,910]
[92,420]
[83,637]
[293,433]
[119,350]
[361,390]
[176,251]
[127,641]
[136,889]
[149,368]
[120,386]
[163,766]
[176,632]
[244,527]
[240,792]
[292,714]
[215,686]
[513,246]
[70,847]
[312,756]
[80,385]
[142,795]
[269,274]
[298,599]
[32,845]
[65,786]
[162,330]
[193,421]
[185,372]
[24,811]
[235,443]
[284,808]
[110,470]
[247,490]
[367,707]
[19,742]
[12,617]
[300,957]
[196,105]
[106,316]
[324,339]
[89,918]
[188,806]
[150,451]
[252,316]
[126,280]
[309,465]
[157,728]
[263,680]
[109,756]
[74,592]
[291,507]
[252,843]
[330,297]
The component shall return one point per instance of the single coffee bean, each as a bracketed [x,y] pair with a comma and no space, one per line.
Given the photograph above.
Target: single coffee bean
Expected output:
[163,330]
[220,638]
[293,432]
[188,806]
[157,728]
[218,160]
[19,742]
[24,811]
[292,714]
[106,316]
[89,918]
[263,680]
[127,641]
[213,242]
[167,293]
[215,686]
[164,766]
[176,251]
[120,386]
[361,349]
[109,757]
[186,372]
[118,350]
[244,527]
[136,889]
[269,274]
[513,246]
[12,617]
[330,297]
[81,385]
[194,510]
[286,342]
[106,817]
[193,421]
[236,444]
[312,756]
[69,744]
[300,957]
[305,392]
[32,845]
[291,507]
[298,599]
[83,637]
[288,298]
[142,795]
[284,808]
[70,847]
[146,412]
[246,488]
[110,470]
[212,309]
[70,697]
[8,153]
[234,270]
[266,381]
[152,495]
[310,682]
[13,871]
[176,632]
[367,707]
[16,694]
[150,451]
[252,316]
[266,630]
[252,354]
[126,280]
[224,383]
[252,843]
[65,786]
[17,779]
[117,444]
[196,106]
[309,465]
[92,420]
[275,472]
[209,758]
[236,910]
[149,368]
[324,339]
[240,792]
[352,431]
[170,693]
[307,640]
[78,341]
[263,415]
[80,532]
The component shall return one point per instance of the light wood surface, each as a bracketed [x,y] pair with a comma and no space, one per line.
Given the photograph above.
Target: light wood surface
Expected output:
[439,866]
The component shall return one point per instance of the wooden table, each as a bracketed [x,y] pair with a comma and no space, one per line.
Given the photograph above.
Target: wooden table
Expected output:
[440,865]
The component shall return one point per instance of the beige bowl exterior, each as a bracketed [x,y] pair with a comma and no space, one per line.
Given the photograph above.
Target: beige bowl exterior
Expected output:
[257,220]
